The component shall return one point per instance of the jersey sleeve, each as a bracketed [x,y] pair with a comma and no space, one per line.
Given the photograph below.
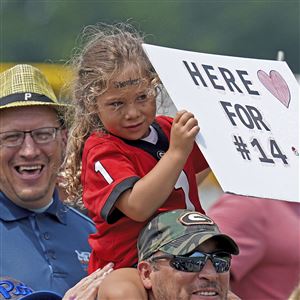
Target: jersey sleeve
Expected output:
[107,171]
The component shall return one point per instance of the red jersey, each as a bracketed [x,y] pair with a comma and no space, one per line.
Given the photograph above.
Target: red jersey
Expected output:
[110,166]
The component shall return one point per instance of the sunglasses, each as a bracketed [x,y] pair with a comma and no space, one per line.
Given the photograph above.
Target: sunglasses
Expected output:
[196,261]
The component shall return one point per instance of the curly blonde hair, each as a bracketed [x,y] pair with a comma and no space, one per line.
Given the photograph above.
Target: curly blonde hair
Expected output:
[105,50]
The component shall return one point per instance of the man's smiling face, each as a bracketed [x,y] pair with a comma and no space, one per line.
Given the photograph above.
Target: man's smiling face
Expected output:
[29,171]
[164,282]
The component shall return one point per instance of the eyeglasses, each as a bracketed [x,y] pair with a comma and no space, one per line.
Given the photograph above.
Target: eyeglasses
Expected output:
[197,260]
[40,136]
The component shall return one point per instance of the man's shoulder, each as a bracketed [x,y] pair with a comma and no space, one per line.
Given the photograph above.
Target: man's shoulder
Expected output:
[80,217]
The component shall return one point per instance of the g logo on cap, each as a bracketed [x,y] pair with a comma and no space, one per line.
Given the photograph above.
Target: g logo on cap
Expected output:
[195,218]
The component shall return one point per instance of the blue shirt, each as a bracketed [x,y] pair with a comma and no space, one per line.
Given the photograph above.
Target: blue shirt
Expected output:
[46,251]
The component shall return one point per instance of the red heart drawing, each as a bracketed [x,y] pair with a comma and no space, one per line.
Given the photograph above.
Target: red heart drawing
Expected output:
[276,85]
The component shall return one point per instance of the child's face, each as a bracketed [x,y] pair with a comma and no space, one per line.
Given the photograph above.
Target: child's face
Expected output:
[128,107]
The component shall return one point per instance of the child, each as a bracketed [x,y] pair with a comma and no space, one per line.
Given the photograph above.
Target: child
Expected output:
[134,165]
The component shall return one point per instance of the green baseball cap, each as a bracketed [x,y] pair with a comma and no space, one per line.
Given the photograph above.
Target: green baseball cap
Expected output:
[25,85]
[180,232]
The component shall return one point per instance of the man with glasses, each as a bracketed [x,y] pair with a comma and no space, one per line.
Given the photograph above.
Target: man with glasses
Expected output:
[183,255]
[43,242]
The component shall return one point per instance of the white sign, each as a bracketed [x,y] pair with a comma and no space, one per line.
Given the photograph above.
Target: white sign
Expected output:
[248,112]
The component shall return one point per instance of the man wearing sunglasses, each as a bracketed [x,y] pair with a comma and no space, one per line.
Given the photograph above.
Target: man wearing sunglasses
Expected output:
[183,255]
[43,242]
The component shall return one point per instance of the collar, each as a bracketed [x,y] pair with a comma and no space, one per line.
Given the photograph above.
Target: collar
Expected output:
[9,211]
[152,137]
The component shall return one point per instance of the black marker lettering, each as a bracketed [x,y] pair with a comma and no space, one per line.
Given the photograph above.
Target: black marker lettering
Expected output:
[229,79]
[212,77]
[246,83]
[195,73]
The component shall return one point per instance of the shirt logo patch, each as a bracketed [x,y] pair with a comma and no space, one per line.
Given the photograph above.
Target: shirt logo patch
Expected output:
[83,258]
[160,154]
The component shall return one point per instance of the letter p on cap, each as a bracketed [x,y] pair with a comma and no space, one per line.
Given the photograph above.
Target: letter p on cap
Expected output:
[27,96]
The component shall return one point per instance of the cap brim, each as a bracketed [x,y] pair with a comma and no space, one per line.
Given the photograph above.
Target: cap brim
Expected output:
[188,243]
[34,103]
[42,295]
